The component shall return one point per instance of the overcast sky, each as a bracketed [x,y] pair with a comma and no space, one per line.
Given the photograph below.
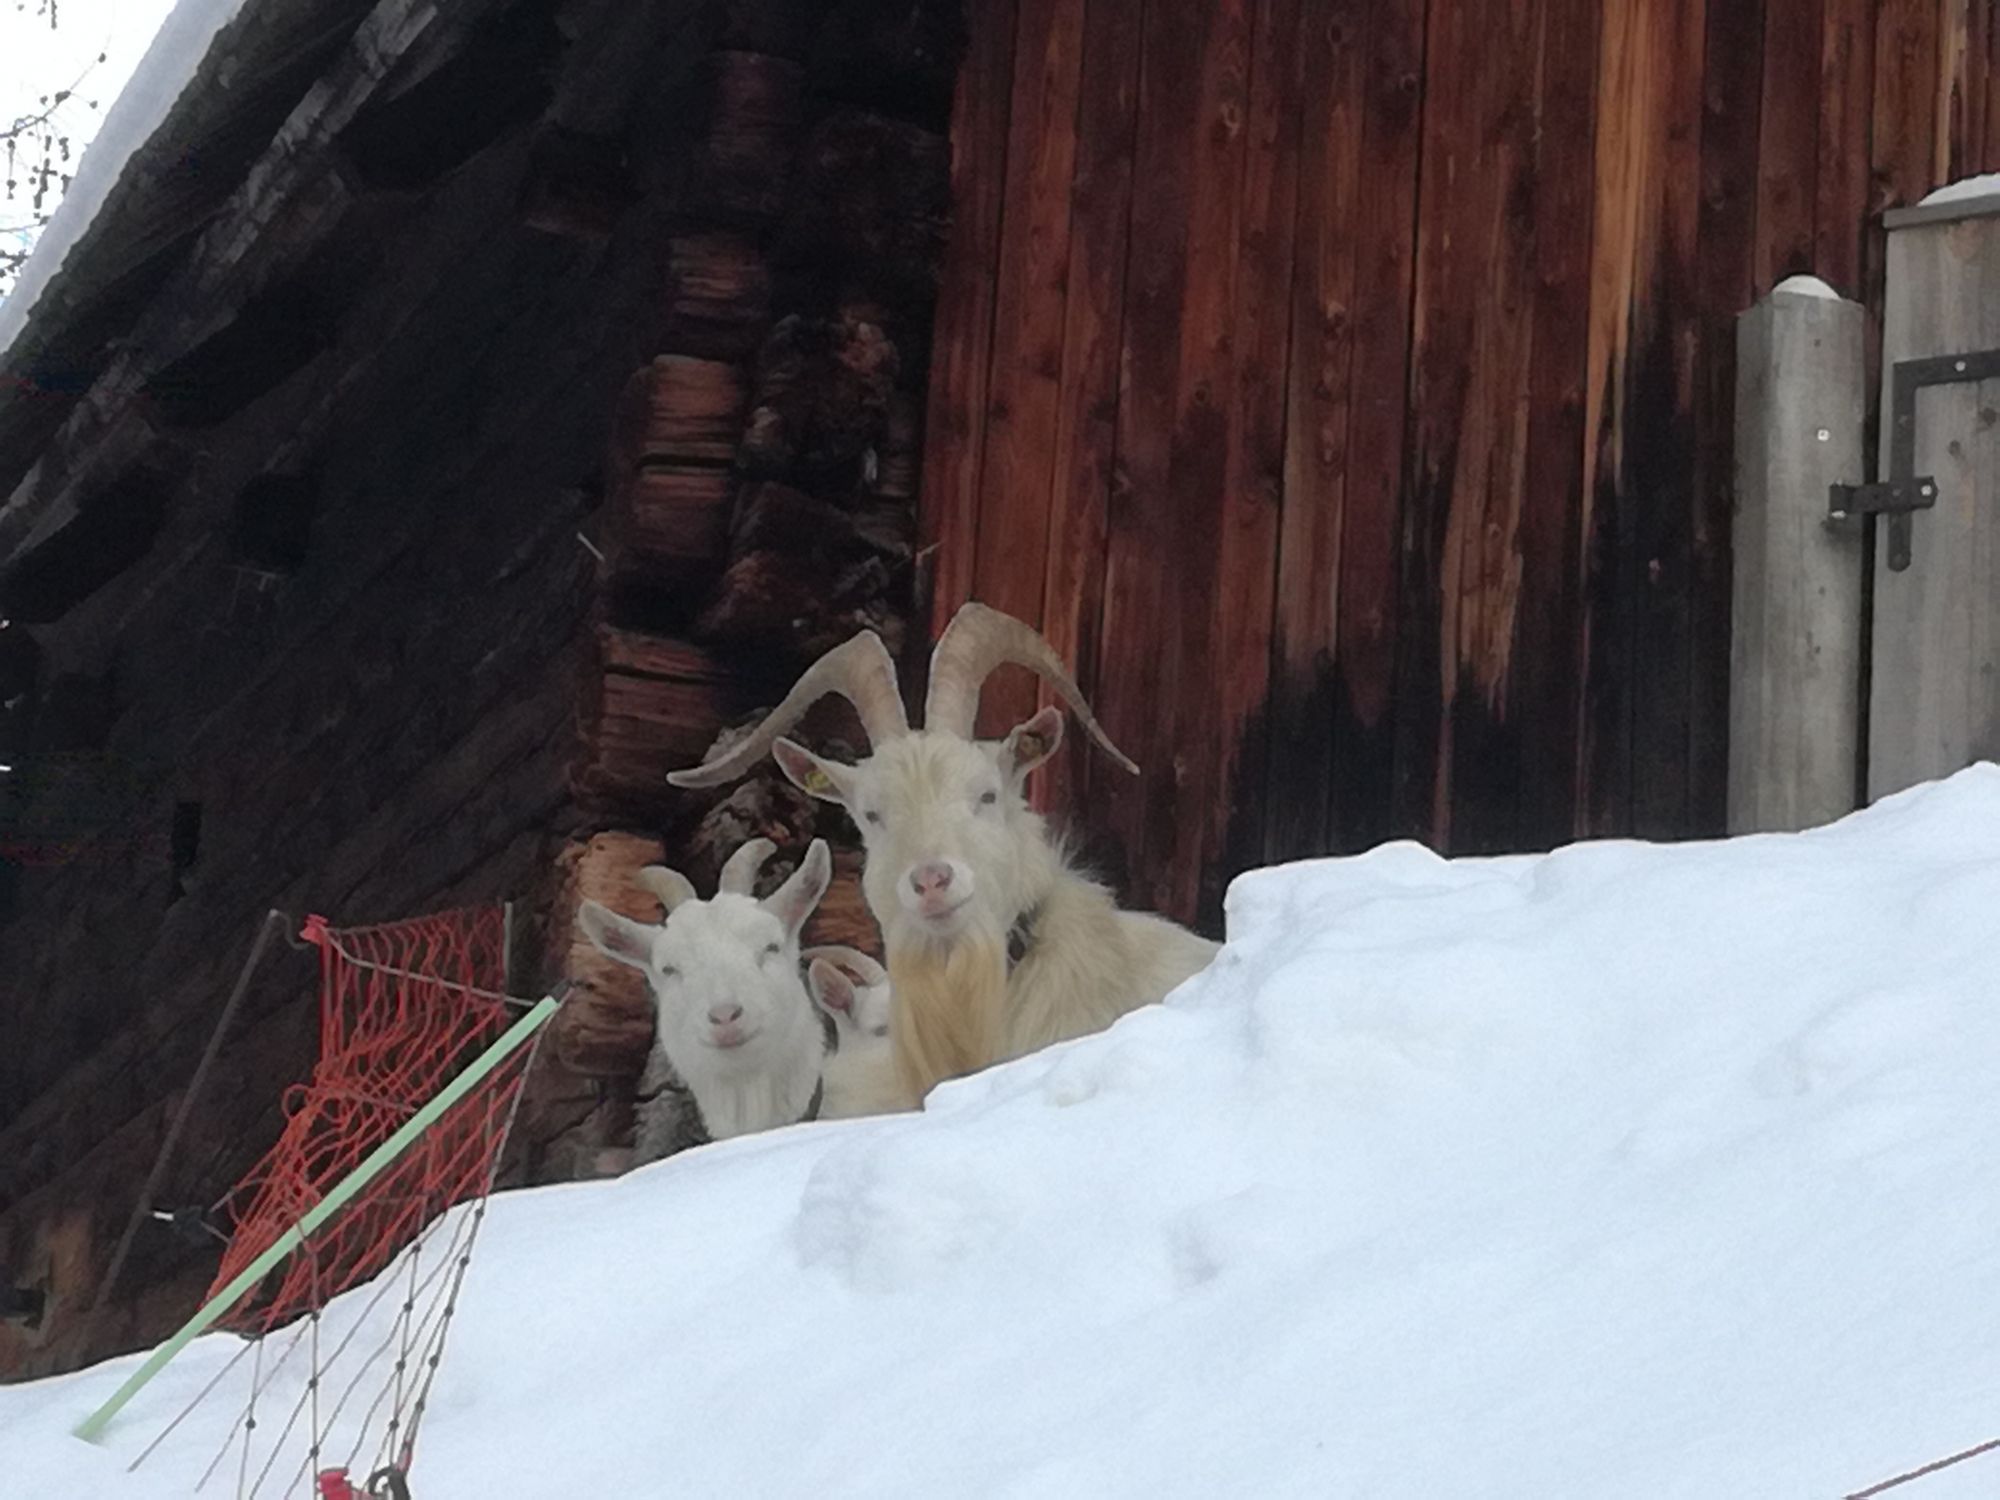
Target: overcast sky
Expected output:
[35,60]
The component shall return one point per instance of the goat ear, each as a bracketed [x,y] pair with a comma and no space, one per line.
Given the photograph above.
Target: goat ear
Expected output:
[831,990]
[828,780]
[1033,741]
[616,937]
[792,902]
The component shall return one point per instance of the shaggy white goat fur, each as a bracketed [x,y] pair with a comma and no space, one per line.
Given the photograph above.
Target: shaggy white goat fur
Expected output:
[930,798]
[996,945]
[861,1073]
[733,1016]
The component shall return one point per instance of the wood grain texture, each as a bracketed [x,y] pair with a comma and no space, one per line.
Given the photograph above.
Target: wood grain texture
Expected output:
[1024,386]
[1085,430]
[1333,51]
[955,427]
[1444,550]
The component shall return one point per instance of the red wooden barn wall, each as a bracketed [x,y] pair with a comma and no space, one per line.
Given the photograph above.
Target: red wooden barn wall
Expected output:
[1346,386]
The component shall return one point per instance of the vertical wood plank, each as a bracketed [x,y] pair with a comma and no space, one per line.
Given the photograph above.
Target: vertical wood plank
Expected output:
[1199,454]
[1935,685]
[1086,417]
[1141,615]
[1846,89]
[1545,690]
[1639,522]
[1460,561]
[1948,119]
[1901,144]
[1298,764]
[1029,300]
[1254,481]
[954,427]
[1788,148]
[1725,278]
[1368,606]
[1796,657]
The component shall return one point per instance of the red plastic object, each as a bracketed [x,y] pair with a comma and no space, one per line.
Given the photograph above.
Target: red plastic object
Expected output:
[335,1485]
[403,1007]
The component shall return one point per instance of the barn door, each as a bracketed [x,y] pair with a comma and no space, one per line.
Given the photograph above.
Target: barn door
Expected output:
[1934,688]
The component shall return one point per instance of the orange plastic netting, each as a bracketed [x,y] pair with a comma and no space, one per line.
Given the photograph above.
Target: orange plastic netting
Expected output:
[403,1007]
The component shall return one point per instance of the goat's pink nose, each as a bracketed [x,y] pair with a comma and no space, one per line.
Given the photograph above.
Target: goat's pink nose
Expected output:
[725,1015]
[930,879]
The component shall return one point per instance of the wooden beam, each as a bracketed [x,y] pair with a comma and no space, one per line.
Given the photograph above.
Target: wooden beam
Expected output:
[1795,675]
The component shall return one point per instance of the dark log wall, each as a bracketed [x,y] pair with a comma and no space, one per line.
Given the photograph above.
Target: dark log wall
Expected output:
[534,420]
[1345,386]
[343,673]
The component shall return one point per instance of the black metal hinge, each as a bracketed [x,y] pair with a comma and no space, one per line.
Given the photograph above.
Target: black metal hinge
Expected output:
[1905,491]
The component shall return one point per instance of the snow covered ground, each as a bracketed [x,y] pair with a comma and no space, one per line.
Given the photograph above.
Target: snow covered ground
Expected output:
[1624,1172]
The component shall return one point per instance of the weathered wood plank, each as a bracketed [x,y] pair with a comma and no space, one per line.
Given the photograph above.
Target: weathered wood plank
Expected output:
[1846,89]
[1795,709]
[1461,566]
[1182,787]
[1934,702]
[1788,157]
[954,429]
[670,523]
[1725,278]
[1368,603]
[1545,680]
[1640,512]
[1029,300]
[1901,142]
[1085,429]
[1141,620]
[1299,771]
[1253,484]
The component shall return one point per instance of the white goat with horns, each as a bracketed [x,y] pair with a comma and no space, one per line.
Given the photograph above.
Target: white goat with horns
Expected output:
[732,1014]
[996,946]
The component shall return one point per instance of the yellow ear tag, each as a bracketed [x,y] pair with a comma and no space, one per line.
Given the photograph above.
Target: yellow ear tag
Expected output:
[1030,747]
[818,783]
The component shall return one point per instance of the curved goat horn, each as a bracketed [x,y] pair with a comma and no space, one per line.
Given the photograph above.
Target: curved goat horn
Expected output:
[979,639]
[739,871]
[852,959]
[669,887]
[860,670]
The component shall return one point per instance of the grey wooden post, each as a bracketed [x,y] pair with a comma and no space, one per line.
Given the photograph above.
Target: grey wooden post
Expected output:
[1795,647]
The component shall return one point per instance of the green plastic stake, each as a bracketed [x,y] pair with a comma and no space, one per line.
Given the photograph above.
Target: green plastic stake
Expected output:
[377,1160]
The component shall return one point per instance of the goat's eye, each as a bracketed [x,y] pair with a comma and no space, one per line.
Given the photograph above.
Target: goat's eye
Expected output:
[989,798]
[670,972]
[873,817]
[772,951]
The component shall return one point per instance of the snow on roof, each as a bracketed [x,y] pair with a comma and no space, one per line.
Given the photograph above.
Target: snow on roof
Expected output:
[1983,186]
[1806,286]
[180,46]
[1628,1170]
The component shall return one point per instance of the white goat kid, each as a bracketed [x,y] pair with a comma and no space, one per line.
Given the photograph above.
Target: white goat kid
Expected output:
[861,1073]
[996,946]
[851,988]
[733,1017]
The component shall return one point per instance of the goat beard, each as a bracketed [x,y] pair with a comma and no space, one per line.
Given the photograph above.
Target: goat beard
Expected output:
[950,1011]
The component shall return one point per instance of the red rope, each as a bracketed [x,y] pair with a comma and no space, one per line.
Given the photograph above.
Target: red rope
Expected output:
[403,1007]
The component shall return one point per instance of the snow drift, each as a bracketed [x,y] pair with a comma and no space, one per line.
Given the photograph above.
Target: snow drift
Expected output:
[1627,1171]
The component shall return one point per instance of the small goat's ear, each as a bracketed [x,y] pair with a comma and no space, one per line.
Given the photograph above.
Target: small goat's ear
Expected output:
[1033,741]
[669,887]
[792,902]
[828,780]
[616,937]
[831,990]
